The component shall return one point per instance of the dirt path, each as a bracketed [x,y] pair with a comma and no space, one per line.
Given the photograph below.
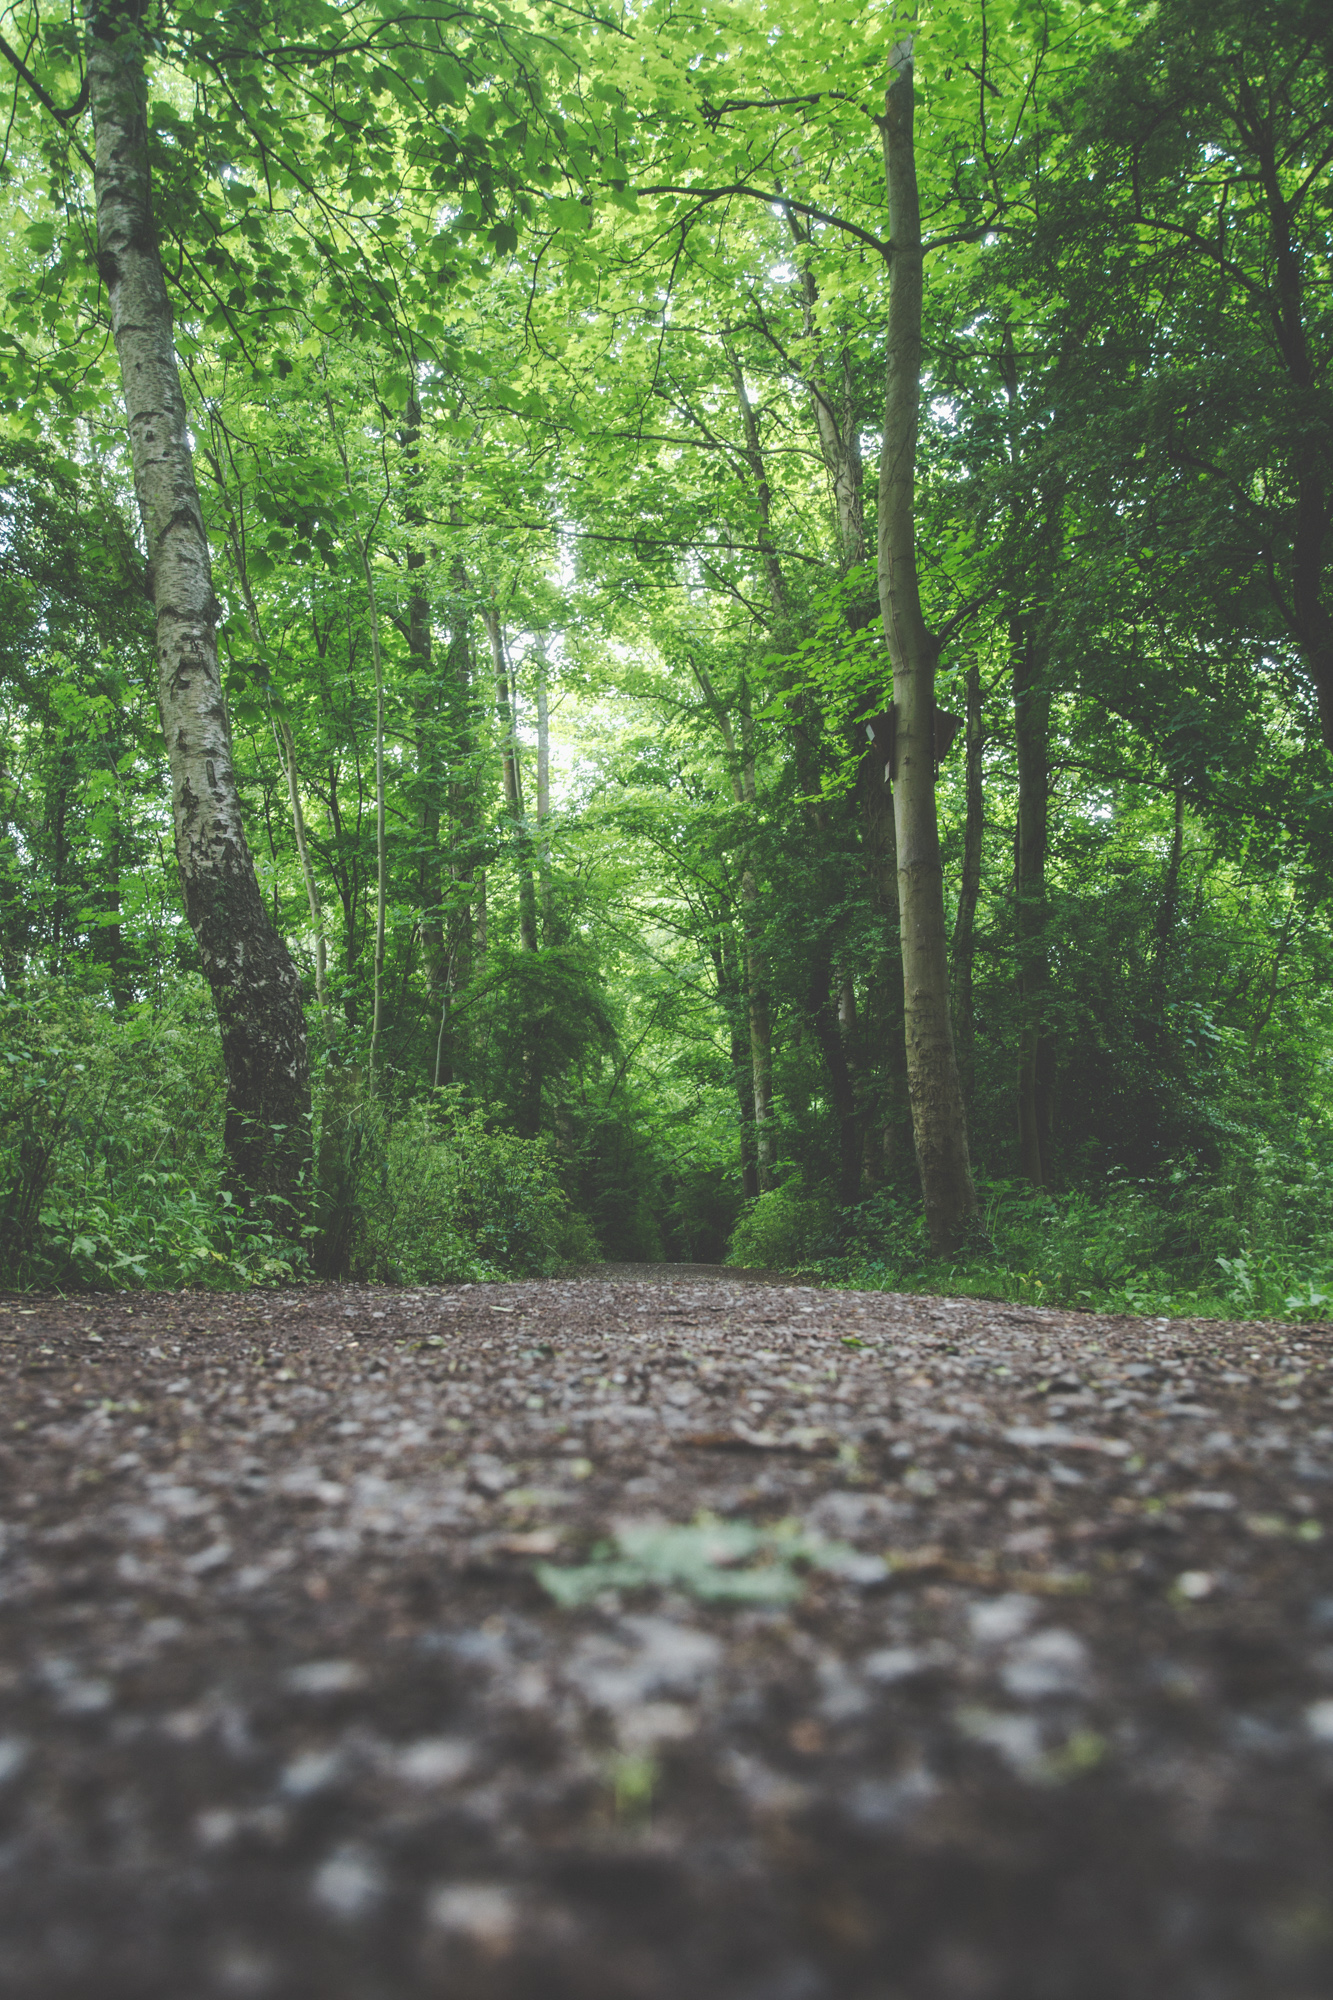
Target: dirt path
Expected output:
[347,1653]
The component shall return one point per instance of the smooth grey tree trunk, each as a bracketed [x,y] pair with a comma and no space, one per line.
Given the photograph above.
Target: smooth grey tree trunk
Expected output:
[253,981]
[939,1123]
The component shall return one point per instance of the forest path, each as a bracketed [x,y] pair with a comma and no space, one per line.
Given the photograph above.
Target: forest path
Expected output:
[1034,1703]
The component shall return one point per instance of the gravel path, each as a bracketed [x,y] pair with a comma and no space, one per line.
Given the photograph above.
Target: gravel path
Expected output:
[661,1635]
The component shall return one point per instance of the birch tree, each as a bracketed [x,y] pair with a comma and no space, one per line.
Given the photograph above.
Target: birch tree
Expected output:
[247,965]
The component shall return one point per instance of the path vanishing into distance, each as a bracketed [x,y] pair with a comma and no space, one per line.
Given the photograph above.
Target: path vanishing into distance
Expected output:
[661,1634]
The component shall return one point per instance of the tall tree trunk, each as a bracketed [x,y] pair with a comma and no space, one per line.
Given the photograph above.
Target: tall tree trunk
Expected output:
[1032,723]
[109,946]
[465,931]
[732,996]
[938,1119]
[481,920]
[761,1037]
[513,779]
[831,386]
[347,881]
[965,918]
[1164,928]
[381,842]
[286,747]
[364,540]
[254,983]
[1033,559]
[887,1116]
[424,696]
[842,1089]
[740,759]
[819,1009]
[57,817]
[544,797]
[307,872]
[833,406]
[513,783]
[530,1097]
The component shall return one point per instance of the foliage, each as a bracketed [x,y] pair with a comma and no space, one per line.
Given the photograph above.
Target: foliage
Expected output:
[507,343]
[110,1156]
[111,1174]
[433,1195]
[1252,1240]
[782,1229]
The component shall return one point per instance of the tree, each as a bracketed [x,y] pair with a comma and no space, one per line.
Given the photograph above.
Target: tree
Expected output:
[250,972]
[938,1117]
[1206,212]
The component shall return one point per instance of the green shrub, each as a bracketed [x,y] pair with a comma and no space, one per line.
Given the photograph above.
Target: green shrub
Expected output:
[110,1148]
[787,1228]
[111,1167]
[429,1195]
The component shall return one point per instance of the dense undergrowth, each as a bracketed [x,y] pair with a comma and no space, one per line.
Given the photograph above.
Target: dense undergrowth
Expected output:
[112,1174]
[112,1177]
[1250,1239]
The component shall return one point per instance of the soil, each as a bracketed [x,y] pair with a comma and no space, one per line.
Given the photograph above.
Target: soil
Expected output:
[1018,1686]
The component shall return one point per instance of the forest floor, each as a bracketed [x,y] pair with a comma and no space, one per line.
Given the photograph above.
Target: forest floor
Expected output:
[346,1652]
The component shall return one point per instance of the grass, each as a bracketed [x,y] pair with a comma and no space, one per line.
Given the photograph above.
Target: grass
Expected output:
[1252,1243]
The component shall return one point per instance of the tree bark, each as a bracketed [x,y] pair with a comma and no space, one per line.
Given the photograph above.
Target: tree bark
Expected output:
[513,783]
[938,1120]
[109,942]
[1164,928]
[761,1037]
[740,759]
[285,745]
[880,1101]
[1032,723]
[424,696]
[819,1010]
[465,929]
[381,839]
[544,798]
[364,541]
[836,426]
[730,993]
[254,983]
[965,917]
[828,1033]
[530,1096]
[307,872]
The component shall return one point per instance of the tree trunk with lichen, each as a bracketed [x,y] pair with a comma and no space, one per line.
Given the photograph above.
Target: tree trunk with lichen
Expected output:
[253,981]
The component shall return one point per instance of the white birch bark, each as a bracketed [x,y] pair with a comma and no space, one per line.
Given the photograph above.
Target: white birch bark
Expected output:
[254,983]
